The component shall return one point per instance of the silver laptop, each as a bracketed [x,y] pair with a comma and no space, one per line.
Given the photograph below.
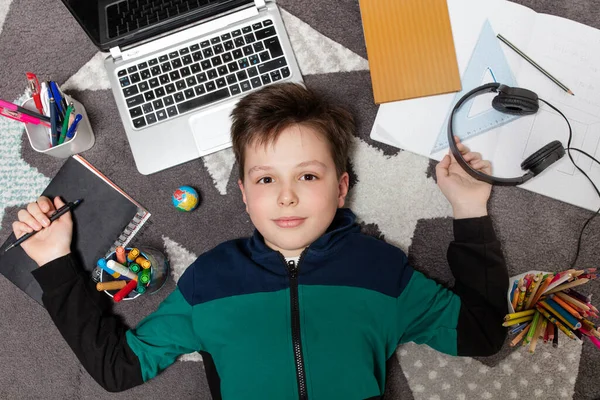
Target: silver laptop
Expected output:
[178,67]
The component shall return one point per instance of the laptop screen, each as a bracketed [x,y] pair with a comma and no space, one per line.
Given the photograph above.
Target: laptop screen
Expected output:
[125,22]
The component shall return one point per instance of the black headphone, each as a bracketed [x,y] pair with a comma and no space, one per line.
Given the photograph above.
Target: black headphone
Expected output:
[513,101]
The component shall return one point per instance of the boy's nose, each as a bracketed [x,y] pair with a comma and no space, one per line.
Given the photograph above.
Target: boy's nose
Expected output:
[287,197]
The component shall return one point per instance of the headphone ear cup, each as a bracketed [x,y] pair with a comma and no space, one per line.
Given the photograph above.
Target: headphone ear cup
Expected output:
[544,157]
[513,105]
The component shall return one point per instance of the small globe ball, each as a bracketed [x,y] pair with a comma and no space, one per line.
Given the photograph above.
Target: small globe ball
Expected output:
[185,198]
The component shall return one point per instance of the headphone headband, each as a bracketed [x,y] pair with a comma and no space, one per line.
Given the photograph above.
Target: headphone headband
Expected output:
[515,101]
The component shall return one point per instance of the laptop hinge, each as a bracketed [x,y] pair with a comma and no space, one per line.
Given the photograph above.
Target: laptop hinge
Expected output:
[115,52]
[260,4]
[186,34]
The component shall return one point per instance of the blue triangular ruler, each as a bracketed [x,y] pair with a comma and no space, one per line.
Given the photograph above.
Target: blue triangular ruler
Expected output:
[487,60]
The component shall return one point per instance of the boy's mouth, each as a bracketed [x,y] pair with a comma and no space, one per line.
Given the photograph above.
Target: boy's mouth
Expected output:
[289,222]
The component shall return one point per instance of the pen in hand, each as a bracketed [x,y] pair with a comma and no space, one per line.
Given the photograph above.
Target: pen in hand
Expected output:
[56,215]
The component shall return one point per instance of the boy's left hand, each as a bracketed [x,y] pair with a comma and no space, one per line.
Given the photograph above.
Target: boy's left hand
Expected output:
[467,195]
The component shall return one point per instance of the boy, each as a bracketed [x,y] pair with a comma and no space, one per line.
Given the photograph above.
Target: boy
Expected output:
[312,304]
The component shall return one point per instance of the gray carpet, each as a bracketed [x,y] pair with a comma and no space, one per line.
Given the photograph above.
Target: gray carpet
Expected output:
[393,192]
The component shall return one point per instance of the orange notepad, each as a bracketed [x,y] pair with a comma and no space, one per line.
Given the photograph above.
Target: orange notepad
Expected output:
[410,48]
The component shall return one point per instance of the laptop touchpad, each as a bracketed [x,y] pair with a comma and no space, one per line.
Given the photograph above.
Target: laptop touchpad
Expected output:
[211,128]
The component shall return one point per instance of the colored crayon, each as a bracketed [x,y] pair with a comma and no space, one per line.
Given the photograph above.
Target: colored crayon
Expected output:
[555,337]
[517,315]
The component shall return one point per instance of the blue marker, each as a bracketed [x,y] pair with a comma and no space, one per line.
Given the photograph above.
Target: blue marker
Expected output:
[73,127]
[57,97]
[102,264]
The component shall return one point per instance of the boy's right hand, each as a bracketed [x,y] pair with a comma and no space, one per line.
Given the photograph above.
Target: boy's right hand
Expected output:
[52,240]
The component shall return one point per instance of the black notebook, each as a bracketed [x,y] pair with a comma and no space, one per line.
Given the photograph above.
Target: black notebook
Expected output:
[106,218]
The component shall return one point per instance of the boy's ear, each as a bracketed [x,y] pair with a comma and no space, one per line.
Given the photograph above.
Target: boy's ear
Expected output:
[343,188]
[241,185]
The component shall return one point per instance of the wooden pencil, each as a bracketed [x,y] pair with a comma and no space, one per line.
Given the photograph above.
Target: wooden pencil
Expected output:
[573,301]
[520,336]
[568,285]
[566,306]
[531,290]
[542,288]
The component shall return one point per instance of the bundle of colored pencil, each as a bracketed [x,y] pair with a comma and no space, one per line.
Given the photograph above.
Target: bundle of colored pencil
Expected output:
[547,303]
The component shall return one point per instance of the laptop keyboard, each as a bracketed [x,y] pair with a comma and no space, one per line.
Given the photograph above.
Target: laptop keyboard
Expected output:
[206,72]
[129,15]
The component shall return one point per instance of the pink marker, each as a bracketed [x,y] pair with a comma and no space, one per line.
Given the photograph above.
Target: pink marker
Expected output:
[21,114]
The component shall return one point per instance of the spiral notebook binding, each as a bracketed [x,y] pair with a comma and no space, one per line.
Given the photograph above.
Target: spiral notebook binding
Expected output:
[131,230]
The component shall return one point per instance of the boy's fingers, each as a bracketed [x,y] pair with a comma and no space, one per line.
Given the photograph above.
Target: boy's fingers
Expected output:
[45,204]
[462,148]
[441,169]
[21,228]
[36,212]
[28,219]
[472,156]
[482,165]
[58,203]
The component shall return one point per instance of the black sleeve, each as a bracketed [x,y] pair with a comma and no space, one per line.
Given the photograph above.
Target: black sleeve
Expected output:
[476,260]
[84,318]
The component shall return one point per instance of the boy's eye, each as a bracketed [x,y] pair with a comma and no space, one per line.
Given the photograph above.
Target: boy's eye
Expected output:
[266,179]
[308,177]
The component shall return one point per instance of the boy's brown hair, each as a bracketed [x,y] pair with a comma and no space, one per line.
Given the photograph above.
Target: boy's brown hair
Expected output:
[260,117]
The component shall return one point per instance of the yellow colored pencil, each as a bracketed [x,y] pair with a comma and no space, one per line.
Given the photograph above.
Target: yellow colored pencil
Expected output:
[521,303]
[531,290]
[558,324]
[543,286]
[518,320]
[557,314]
[519,315]
[568,285]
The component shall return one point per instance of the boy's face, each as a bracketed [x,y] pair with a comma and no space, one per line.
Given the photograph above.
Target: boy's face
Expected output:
[291,189]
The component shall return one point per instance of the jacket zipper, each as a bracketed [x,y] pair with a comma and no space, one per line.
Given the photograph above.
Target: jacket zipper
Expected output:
[293,269]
